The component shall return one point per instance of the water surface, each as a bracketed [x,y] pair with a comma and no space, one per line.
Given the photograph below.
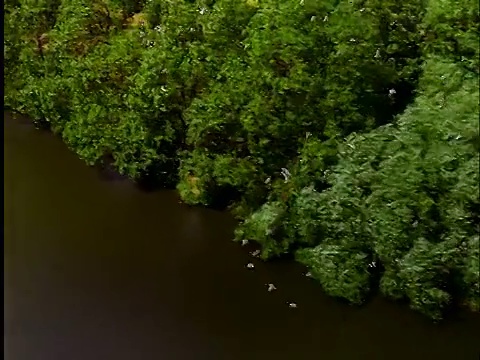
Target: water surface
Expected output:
[97,269]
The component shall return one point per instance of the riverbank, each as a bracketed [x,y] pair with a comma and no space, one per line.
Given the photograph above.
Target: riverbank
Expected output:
[144,277]
[354,152]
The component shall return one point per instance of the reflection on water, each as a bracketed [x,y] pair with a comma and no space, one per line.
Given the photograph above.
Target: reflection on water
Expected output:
[96,269]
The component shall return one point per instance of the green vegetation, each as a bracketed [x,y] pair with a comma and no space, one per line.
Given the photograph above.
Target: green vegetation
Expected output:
[343,132]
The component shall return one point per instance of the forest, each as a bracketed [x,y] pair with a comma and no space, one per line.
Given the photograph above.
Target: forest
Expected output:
[344,134]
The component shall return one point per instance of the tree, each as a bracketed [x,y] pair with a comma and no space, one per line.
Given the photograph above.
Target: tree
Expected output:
[345,133]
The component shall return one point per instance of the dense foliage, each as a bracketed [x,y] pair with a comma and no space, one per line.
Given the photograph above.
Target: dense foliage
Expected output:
[344,132]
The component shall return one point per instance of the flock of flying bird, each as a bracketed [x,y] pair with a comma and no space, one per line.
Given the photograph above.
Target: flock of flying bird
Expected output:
[270,287]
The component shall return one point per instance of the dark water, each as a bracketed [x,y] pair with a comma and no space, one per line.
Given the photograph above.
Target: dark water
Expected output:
[97,269]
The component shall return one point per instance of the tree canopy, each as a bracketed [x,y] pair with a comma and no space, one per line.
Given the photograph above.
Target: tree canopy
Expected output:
[343,132]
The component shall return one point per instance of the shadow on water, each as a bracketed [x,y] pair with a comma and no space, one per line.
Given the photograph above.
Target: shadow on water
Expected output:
[98,269]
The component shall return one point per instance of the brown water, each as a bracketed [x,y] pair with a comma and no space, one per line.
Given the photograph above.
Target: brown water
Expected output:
[97,269]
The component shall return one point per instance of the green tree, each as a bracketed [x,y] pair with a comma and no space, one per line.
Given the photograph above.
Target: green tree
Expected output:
[345,133]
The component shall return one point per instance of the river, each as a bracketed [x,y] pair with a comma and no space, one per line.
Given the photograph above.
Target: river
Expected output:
[95,268]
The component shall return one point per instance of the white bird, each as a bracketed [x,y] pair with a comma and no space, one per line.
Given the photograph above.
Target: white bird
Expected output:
[244,242]
[271,287]
[292,305]
[255,253]
[250,266]
[286,174]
